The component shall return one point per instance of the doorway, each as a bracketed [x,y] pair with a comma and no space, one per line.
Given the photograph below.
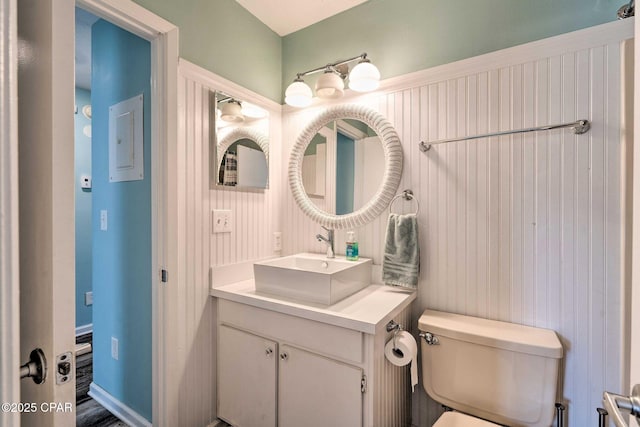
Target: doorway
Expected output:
[45,88]
[117,233]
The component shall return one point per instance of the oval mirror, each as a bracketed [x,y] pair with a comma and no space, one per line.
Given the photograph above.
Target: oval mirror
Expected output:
[341,166]
[345,166]
[242,149]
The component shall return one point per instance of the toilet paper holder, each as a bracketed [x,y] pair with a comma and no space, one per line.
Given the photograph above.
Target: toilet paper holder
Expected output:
[394,327]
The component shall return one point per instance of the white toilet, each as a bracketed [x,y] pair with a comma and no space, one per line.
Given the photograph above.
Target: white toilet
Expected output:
[489,371]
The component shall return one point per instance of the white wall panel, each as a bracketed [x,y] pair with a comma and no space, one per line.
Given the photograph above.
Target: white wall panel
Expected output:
[196,404]
[255,216]
[524,228]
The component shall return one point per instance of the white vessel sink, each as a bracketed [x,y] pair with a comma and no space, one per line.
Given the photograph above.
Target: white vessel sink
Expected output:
[312,277]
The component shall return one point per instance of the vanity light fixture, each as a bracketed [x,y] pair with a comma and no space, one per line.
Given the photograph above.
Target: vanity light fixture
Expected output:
[330,84]
[231,111]
[364,77]
[298,94]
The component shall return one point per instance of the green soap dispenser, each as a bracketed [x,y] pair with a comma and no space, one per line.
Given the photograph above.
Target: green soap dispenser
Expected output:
[352,246]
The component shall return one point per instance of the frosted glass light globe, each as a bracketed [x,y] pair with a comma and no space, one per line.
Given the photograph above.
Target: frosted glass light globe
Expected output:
[231,112]
[329,85]
[298,94]
[364,77]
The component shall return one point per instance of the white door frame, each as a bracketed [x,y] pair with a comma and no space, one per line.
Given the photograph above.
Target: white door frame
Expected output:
[9,250]
[634,329]
[163,37]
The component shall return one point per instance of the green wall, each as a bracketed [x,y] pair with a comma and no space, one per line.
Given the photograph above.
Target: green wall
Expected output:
[223,37]
[402,36]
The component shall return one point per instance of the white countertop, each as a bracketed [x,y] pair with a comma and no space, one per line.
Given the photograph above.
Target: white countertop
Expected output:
[365,311]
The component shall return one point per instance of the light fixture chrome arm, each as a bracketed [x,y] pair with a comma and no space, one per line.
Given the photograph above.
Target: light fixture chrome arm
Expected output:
[364,77]
[332,65]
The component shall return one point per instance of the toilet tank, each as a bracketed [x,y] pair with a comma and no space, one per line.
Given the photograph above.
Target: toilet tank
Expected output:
[499,371]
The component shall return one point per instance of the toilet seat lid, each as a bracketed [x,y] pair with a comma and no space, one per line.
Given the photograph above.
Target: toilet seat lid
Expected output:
[457,419]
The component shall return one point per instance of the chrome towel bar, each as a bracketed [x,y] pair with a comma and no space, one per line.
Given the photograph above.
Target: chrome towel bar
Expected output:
[579,127]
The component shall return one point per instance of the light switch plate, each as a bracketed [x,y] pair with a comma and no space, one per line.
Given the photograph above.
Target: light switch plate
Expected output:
[104,222]
[114,348]
[222,221]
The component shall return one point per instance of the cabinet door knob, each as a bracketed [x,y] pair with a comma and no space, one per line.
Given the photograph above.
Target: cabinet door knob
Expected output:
[284,356]
[268,352]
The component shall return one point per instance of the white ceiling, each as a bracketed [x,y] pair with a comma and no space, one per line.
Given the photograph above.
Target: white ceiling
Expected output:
[286,16]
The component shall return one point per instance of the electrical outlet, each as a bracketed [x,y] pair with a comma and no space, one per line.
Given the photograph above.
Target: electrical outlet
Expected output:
[88,298]
[222,222]
[277,241]
[114,348]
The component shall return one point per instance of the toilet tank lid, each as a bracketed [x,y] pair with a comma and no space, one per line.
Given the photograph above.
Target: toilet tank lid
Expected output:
[492,333]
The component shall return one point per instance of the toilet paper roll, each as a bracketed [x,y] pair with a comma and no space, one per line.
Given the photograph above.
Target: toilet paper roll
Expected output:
[405,352]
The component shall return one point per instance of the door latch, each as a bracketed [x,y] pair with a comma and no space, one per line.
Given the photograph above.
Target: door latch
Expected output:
[64,365]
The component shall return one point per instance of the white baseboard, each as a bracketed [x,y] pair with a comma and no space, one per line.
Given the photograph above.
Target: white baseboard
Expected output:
[216,423]
[84,329]
[117,408]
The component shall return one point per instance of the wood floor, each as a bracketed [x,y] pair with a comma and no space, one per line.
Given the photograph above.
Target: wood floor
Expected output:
[89,413]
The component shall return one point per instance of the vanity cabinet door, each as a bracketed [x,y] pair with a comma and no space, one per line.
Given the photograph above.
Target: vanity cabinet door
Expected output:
[247,366]
[317,391]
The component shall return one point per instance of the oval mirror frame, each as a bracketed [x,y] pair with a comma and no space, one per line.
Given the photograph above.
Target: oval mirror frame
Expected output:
[390,179]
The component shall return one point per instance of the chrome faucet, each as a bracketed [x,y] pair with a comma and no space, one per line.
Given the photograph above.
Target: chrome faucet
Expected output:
[328,240]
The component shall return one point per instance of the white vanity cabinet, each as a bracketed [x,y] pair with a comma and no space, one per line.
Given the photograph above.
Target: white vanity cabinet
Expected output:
[247,367]
[289,365]
[257,375]
[314,390]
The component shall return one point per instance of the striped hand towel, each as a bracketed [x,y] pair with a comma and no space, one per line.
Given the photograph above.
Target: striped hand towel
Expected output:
[401,263]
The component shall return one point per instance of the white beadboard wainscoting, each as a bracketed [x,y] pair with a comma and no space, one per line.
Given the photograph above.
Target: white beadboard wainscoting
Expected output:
[193,308]
[524,228]
[254,215]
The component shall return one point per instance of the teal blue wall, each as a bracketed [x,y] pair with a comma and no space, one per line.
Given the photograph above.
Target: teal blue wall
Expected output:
[223,37]
[121,69]
[402,36]
[82,209]
[345,159]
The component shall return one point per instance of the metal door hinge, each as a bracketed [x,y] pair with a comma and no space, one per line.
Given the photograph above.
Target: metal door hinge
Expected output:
[363,384]
[164,276]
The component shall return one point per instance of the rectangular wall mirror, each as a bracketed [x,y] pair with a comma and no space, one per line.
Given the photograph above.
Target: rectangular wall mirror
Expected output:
[240,142]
